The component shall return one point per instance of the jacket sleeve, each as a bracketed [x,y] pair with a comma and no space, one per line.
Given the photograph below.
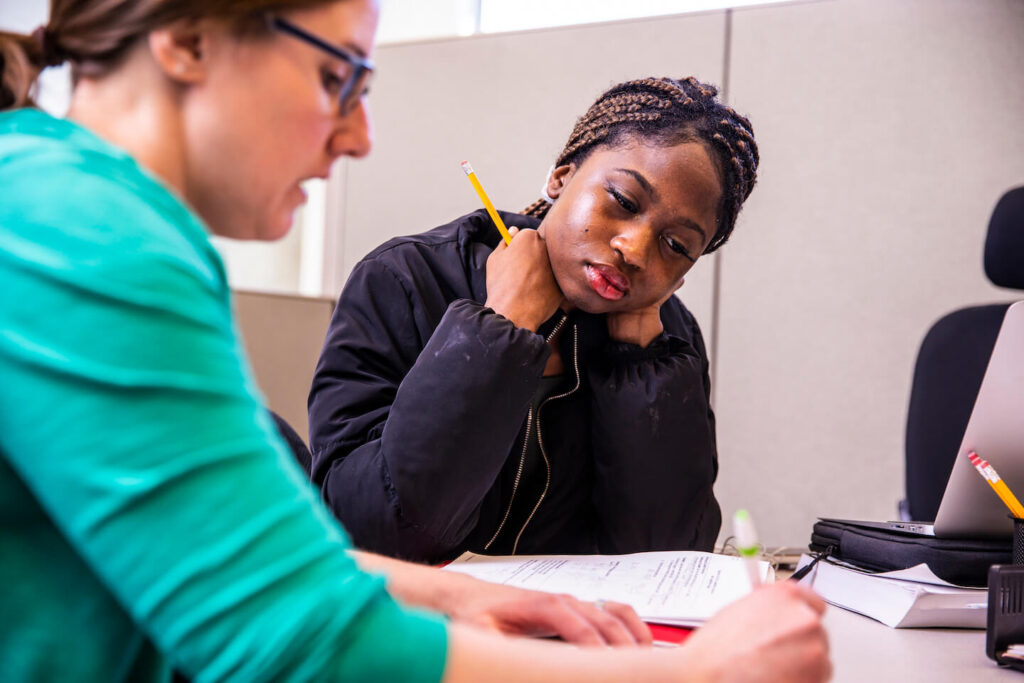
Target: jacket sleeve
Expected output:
[409,425]
[654,442]
[135,423]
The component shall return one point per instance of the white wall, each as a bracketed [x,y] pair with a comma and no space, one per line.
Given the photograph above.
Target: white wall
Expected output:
[888,129]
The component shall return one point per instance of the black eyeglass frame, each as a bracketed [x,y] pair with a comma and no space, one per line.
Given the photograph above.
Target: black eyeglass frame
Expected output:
[362,69]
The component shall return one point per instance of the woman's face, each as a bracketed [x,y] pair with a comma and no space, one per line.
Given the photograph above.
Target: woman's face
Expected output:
[266,118]
[629,222]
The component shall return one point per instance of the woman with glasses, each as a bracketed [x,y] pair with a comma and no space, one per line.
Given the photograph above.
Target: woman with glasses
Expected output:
[150,516]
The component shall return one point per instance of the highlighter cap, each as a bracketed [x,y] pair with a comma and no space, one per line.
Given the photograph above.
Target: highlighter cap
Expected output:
[746,535]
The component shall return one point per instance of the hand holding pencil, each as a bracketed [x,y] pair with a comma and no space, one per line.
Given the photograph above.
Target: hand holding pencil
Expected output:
[520,283]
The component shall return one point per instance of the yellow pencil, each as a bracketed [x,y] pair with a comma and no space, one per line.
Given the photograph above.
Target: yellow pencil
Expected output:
[487,202]
[997,484]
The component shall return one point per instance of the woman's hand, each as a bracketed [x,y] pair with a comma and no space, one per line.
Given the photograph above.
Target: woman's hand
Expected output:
[515,611]
[773,634]
[520,284]
[640,326]
[505,609]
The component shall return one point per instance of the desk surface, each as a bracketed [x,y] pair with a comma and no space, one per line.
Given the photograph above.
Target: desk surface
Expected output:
[864,650]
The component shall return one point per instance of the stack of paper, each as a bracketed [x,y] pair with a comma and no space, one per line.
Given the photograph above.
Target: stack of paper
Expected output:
[680,588]
[908,598]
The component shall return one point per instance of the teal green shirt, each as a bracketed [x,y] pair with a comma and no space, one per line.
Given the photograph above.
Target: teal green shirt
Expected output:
[150,515]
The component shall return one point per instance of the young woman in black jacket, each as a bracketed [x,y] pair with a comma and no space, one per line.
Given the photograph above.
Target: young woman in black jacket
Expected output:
[549,396]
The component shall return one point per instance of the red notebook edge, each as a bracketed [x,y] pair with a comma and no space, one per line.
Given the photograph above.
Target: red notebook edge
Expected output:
[669,635]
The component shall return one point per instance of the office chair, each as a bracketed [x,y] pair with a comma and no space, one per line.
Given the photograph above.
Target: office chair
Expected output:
[951,364]
[294,441]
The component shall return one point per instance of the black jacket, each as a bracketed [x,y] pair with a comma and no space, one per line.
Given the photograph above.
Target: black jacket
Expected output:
[420,407]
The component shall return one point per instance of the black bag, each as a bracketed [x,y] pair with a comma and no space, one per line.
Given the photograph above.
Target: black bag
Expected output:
[963,561]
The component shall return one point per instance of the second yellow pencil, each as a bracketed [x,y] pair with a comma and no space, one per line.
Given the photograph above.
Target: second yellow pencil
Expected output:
[997,484]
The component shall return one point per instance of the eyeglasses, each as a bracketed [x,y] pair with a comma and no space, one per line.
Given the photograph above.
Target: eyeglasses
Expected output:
[354,84]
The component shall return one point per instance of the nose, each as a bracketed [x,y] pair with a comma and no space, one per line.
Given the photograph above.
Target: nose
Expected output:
[353,136]
[634,244]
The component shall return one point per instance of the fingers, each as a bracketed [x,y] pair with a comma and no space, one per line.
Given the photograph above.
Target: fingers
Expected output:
[814,600]
[800,619]
[520,283]
[802,592]
[566,622]
[631,620]
[608,622]
[586,624]
[502,245]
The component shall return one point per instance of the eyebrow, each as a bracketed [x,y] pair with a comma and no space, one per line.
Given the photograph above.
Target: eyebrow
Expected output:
[352,47]
[682,220]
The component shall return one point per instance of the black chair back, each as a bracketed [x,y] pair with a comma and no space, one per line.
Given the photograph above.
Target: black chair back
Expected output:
[951,364]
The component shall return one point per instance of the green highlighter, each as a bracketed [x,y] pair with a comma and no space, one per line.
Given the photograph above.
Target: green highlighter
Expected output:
[747,545]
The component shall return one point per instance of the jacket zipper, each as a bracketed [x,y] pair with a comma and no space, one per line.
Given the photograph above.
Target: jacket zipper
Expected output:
[522,456]
[540,439]
[515,483]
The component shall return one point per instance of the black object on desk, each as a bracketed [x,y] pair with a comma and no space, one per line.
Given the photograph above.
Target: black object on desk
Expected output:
[962,561]
[1005,615]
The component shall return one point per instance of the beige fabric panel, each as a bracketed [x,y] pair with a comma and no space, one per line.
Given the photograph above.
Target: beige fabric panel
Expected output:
[283,336]
[888,131]
[507,104]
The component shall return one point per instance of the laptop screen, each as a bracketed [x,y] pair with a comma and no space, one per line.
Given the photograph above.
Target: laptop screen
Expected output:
[970,508]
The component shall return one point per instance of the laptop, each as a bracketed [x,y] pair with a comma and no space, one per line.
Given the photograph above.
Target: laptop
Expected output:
[995,431]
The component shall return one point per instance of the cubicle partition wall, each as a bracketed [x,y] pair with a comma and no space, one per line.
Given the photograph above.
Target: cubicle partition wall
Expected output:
[888,129]
[283,335]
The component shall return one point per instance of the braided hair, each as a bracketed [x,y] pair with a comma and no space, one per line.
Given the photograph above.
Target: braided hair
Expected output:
[668,112]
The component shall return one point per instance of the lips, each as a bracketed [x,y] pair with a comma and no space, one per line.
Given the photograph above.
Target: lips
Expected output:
[607,281]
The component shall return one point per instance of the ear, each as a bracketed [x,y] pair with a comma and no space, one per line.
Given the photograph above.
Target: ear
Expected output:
[181,50]
[559,178]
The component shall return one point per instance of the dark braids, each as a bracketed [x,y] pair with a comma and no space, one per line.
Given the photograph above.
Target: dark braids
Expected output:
[667,112]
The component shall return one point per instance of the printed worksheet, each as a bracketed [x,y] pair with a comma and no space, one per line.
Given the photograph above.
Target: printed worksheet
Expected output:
[675,587]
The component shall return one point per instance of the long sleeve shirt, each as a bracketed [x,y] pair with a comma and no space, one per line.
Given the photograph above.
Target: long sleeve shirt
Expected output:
[150,516]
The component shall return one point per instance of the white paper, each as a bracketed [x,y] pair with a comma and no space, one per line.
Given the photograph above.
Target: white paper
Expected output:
[672,587]
[919,573]
[899,602]
[922,574]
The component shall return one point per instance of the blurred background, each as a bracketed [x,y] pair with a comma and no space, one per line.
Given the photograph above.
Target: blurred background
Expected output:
[888,130]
